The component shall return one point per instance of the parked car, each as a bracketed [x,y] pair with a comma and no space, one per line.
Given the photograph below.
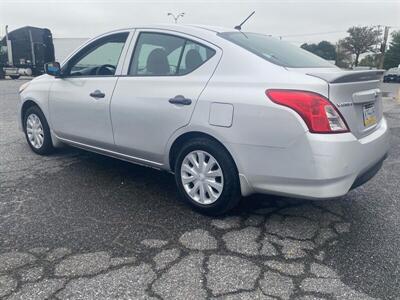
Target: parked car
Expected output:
[392,75]
[230,113]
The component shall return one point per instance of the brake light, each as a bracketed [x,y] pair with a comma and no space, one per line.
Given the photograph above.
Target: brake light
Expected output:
[318,113]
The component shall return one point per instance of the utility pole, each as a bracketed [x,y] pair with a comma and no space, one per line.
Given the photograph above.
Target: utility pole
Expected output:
[176,17]
[338,51]
[383,47]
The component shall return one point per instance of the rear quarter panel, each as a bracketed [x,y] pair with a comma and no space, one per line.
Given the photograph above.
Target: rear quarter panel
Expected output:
[241,80]
[257,120]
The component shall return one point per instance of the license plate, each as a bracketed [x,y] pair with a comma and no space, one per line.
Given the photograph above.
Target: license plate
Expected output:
[369,114]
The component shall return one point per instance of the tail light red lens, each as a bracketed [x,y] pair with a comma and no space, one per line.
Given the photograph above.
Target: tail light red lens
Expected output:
[318,113]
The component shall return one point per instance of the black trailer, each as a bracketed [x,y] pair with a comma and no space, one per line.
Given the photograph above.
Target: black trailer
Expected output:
[24,51]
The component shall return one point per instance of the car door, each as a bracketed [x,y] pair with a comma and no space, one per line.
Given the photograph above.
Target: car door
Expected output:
[164,78]
[79,101]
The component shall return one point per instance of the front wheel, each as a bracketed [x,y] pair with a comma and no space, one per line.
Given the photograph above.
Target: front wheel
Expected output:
[37,131]
[207,177]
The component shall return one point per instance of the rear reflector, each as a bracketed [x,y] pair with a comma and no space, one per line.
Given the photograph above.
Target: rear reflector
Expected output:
[318,113]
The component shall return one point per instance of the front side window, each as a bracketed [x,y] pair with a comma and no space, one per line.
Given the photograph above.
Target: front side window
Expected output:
[158,54]
[99,58]
[276,51]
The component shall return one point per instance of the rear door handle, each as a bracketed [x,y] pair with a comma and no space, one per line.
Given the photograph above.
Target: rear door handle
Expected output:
[179,99]
[97,94]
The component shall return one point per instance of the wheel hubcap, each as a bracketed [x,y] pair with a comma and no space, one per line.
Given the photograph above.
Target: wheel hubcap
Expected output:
[202,177]
[34,130]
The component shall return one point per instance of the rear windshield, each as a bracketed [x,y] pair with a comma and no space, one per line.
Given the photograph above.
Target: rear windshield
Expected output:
[276,51]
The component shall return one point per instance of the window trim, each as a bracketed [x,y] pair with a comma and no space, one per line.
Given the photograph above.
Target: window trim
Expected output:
[181,56]
[98,39]
[186,39]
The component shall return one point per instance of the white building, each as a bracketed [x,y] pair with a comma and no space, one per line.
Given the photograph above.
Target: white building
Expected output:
[64,46]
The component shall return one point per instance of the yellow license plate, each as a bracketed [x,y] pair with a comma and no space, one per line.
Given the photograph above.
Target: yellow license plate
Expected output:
[369,114]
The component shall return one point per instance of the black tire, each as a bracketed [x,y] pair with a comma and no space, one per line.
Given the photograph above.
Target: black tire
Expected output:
[47,146]
[14,77]
[230,194]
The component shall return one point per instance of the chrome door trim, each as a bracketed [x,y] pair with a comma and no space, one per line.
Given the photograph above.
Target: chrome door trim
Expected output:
[129,158]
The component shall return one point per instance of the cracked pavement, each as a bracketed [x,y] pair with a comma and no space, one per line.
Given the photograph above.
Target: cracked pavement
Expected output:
[77,225]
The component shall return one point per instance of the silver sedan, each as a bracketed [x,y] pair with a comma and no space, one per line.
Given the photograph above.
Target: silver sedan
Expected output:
[230,113]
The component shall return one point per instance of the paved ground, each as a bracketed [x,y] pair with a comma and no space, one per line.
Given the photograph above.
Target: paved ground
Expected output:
[77,225]
[391,89]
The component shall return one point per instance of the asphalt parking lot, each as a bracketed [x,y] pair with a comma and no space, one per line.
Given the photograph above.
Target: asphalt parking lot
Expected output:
[77,225]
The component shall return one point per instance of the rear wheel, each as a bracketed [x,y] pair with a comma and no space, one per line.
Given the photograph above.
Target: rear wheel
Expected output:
[37,131]
[207,177]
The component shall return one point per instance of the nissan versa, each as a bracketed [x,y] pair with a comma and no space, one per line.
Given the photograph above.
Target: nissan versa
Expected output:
[230,113]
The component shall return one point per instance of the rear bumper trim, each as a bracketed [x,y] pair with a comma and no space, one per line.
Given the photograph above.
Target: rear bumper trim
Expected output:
[368,174]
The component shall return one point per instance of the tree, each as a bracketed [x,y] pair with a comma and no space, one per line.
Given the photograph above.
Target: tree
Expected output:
[392,57]
[323,49]
[370,60]
[362,40]
[343,57]
[310,47]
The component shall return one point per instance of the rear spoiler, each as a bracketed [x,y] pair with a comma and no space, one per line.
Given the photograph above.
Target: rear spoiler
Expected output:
[349,76]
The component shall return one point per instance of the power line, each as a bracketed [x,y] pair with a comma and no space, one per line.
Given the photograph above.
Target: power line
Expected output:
[324,32]
[314,33]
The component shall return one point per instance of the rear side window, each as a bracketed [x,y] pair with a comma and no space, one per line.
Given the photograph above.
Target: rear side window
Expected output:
[159,54]
[276,51]
[194,55]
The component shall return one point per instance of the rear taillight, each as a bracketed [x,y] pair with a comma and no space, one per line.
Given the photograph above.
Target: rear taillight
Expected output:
[318,113]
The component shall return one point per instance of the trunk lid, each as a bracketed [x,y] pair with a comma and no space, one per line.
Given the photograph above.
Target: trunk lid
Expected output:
[356,95]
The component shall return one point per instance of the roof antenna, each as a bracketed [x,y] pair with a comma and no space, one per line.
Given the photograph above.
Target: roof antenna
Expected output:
[239,27]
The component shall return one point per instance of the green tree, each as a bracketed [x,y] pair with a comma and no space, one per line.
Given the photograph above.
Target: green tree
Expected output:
[370,60]
[362,40]
[323,49]
[392,57]
[343,57]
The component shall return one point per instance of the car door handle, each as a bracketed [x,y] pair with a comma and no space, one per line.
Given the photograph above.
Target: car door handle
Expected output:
[97,94]
[179,99]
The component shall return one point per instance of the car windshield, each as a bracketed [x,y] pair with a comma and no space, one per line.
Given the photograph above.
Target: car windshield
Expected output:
[276,51]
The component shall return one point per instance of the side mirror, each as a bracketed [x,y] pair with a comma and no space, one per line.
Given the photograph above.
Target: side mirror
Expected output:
[53,69]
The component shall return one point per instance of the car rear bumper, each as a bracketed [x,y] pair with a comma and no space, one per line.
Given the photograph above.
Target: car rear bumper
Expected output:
[368,174]
[315,166]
